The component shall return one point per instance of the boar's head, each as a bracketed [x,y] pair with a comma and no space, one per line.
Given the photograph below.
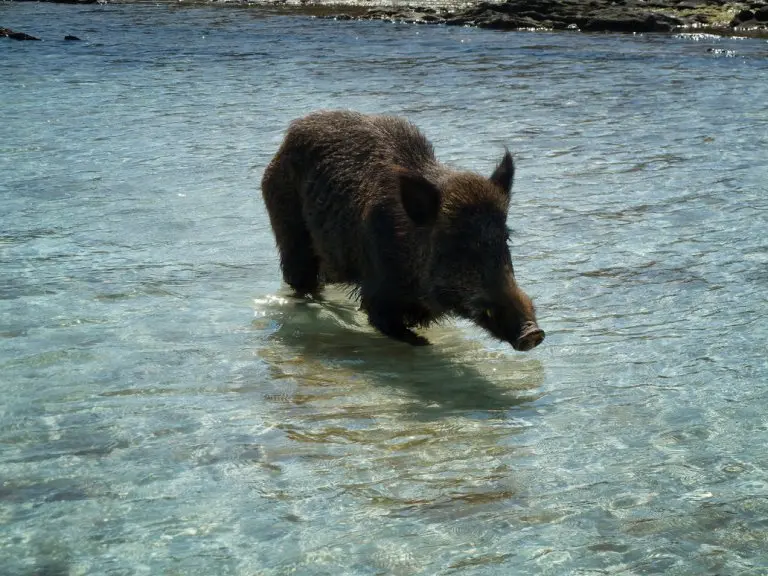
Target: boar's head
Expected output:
[470,270]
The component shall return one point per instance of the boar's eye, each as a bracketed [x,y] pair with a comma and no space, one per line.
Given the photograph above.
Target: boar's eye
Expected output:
[488,313]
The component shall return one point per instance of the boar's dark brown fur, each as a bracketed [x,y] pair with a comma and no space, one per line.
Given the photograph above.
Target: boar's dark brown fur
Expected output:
[361,200]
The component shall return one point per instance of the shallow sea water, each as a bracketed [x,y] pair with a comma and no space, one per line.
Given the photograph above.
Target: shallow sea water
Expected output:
[166,407]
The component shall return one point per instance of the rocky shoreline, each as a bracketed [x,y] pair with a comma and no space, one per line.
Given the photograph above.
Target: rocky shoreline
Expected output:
[721,17]
[621,16]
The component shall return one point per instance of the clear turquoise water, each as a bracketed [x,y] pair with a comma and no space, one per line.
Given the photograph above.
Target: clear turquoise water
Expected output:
[167,408]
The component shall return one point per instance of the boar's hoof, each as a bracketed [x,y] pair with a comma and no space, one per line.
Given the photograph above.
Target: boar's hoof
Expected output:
[409,337]
[531,337]
[403,335]
[417,340]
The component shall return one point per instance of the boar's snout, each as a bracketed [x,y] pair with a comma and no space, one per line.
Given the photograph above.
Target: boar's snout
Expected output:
[512,319]
[530,337]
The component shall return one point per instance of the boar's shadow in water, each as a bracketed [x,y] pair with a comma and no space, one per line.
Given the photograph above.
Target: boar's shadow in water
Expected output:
[330,337]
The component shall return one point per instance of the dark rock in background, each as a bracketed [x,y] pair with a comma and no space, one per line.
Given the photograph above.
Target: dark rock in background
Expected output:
[8,33]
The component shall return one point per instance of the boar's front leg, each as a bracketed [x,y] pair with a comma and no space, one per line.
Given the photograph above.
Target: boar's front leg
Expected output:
[382,296]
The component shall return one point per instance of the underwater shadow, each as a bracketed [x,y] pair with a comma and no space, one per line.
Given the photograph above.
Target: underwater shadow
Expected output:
[454,374]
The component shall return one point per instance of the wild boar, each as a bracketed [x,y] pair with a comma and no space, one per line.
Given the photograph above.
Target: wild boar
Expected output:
[361,200]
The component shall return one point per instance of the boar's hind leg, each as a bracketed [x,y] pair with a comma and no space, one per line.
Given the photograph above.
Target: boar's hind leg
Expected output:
[298,260]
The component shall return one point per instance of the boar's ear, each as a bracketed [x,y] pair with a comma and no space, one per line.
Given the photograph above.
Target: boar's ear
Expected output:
[421,199]
[504,173]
